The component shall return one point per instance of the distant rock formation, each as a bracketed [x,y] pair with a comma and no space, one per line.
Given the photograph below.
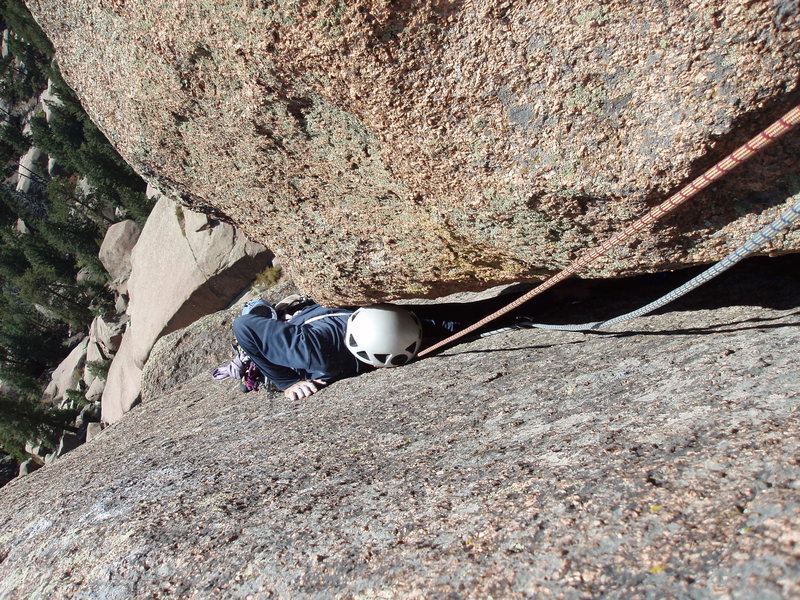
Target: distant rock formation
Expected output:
[108,335]
[392,150]
[116,249]
[68,373]
[183,266]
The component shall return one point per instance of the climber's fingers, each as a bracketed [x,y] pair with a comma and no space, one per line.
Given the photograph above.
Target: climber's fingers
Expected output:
[303,389]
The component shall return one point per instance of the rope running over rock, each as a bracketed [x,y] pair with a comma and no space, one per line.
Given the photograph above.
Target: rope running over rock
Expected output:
[738,156]
[789,216]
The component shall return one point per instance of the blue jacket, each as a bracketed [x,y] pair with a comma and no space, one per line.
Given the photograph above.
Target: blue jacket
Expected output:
[297,350]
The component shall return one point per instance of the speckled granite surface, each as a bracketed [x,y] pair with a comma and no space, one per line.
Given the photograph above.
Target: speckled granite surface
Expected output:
[660,461]
[396,149]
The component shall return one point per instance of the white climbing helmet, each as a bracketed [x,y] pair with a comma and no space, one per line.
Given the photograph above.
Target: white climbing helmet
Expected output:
[383,335]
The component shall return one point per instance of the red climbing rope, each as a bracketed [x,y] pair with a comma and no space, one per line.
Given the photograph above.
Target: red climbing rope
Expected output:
[738,156]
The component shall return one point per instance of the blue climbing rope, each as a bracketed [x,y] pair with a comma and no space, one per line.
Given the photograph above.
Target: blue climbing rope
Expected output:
[737,157]
[789,216]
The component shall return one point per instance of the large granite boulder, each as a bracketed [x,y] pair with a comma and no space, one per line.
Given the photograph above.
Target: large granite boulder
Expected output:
[121,390]
[68,442]
[116,249]
[95,391]
[68,374]
[30,169]
[107,334]
[655,462]
[390,149]
[93,430]
[27,467]
[37,450]
[184,266]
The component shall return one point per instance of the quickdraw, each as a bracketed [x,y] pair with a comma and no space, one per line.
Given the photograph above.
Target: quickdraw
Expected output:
[738,156]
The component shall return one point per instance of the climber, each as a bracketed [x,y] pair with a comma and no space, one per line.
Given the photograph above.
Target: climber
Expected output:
[299,350]
[301,346]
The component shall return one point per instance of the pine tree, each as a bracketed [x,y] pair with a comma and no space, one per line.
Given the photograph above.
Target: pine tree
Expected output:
[61,137]
[64,199]
[21,21]
[11,134]
[40,254]
[40,298]
[23,419]
[30,341]
[74,141]
[12,261]
[41,285]
[70,229]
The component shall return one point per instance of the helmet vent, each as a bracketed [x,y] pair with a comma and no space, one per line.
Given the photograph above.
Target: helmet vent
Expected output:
[412,349]
[400,359]
[351,341]
[363,355]
[381,358]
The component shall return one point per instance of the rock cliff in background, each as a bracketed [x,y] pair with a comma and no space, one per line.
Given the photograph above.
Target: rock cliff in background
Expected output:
[532,464]
[184,266]
[388,149]
[68,373]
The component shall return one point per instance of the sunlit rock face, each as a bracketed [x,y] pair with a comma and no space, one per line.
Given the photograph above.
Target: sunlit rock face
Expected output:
[394,149]
[184,266]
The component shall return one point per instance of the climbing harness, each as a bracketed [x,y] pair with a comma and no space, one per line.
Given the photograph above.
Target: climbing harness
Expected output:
[738,156]
[787,218]
[241,368]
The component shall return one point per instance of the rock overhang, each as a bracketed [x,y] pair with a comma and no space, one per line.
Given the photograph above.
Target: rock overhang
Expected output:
[387,152]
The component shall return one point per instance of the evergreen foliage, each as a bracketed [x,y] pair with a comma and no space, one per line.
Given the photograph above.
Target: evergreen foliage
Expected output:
[11,135]
[76,397]
[18,19]
[64,299]
[79,146]
[29,340]
[24,419]
[24,70]
[65,199]
[51,231]
[99,368]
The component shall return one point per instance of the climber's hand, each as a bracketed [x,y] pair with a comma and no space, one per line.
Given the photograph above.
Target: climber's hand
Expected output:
[303,389]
